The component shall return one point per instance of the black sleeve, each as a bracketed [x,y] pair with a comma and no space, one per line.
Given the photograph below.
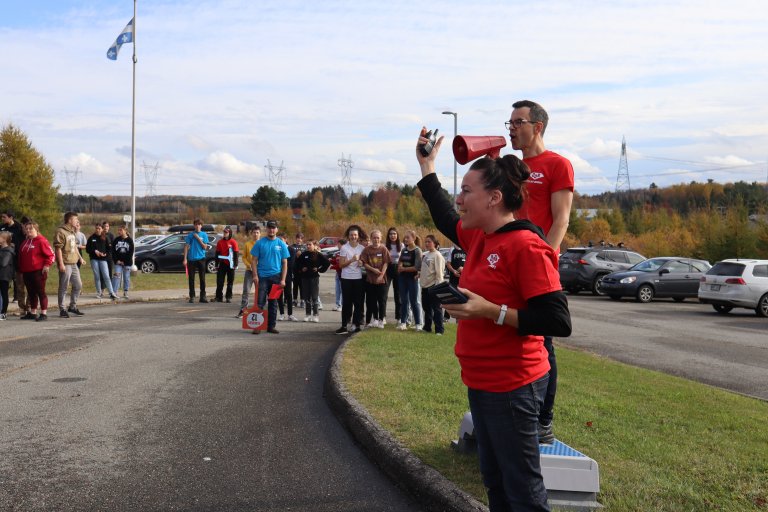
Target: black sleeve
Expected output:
[234,258]
[131,249]
[546,315]
[324,263]
[89,247]
[297,265]
[440,206]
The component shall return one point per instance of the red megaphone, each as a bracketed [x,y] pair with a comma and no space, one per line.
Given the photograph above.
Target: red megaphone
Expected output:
[466,147]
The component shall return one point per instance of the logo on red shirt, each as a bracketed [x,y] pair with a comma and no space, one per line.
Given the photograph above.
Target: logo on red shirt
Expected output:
[493,259]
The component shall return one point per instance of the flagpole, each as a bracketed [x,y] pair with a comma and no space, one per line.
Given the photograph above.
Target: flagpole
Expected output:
[133,142]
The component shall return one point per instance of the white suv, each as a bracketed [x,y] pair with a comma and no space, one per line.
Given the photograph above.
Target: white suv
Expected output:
[738,283]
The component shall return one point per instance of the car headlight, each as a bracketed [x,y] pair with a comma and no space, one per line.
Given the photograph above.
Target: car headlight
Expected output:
[628,280]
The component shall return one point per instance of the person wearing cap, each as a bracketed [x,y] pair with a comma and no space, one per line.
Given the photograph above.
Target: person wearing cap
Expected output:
[195,246]
[226,256]
[269,266]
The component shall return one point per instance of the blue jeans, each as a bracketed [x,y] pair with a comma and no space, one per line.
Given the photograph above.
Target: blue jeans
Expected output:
[409,297]
[123,271]
[101,271]
[265,284]
[338,290]
[506,428]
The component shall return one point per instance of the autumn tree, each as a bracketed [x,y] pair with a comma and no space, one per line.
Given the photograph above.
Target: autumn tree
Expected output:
[27,180]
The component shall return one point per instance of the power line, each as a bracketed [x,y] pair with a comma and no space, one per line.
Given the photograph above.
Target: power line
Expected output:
[275,175]
[71,177]
[346,165]
[622,179]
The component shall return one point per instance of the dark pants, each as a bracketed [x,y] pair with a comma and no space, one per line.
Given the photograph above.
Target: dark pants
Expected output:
[375,301]
[285,297]
[352,298]
[265,284]
[432,312]
[506,429]
[199,267]
[229,275]
[310,294]
[296,290]
[395,283]
[4,285]
[548,409]
[35,284]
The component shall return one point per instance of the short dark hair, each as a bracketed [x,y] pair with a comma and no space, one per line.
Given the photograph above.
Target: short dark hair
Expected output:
[68,216]
[9,213]
[537,114]
[197,221]
[506,174]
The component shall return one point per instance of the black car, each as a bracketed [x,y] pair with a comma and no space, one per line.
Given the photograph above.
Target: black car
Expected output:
[583,268]
[657,277]
[168,255]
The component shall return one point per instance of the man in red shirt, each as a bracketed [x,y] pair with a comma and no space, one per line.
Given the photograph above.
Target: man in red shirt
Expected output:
[550,194]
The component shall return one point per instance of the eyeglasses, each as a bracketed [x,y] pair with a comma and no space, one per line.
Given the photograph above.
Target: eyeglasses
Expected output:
[517,123]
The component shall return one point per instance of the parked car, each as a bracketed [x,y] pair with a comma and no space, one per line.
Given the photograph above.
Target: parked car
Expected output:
[669,276]
[148,239]
[584,267]
[328,241]
[168,255]
[736,283]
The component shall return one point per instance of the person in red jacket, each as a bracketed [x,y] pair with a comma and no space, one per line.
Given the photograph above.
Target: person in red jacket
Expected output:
[35,258]
[226,256]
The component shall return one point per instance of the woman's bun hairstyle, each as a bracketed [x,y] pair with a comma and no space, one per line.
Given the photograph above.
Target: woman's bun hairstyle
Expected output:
[506,174]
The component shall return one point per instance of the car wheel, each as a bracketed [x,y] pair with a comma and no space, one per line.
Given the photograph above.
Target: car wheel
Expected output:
[721,308]
[596,285]
[148,267]
[645,293]
[762,306]
[678,299]
[211,267]
[615,297]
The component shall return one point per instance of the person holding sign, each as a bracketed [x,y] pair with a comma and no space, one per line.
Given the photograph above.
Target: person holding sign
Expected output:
[269,265]
[226,257]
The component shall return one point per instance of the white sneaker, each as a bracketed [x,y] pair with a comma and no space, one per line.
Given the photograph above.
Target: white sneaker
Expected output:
[380,324]
[319,305]
[336,308]
[281,317]
[402,327]
[383,322]
[316,319]
[307,318]
[293,318]
[418,327]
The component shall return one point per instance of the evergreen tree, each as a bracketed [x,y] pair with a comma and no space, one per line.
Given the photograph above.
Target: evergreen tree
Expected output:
[265,199]
[27,180]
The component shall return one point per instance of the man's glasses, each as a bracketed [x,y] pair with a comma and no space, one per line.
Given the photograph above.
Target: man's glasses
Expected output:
[517,123]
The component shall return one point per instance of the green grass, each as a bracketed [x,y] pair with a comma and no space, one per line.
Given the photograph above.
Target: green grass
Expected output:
[661,442]
[139,282]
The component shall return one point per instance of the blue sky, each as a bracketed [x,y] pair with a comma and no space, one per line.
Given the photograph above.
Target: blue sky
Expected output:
[225,86]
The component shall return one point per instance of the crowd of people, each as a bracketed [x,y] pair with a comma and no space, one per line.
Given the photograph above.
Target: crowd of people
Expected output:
[26,256]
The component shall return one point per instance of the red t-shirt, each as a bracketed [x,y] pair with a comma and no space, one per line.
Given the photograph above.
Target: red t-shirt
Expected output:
[550,173]
[504,268]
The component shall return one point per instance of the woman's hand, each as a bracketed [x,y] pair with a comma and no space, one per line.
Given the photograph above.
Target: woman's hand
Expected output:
[475,307]
[427,163]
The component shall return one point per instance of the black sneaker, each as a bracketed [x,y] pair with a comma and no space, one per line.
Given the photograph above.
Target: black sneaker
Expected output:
[239,314]
[342,330]
[545,434]
[63,314]
[191,300]
[28,316]
[273,331]
[75,311]
[203,300]
[42,317]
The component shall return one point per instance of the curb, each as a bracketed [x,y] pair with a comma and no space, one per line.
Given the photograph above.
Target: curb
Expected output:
[430,488]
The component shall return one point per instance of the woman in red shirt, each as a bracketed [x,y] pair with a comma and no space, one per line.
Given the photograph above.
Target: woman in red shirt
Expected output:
[35,258]
[226,256]
[512,284]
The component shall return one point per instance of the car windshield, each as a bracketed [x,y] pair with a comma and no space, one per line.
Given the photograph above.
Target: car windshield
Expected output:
[727,268]
[649,265]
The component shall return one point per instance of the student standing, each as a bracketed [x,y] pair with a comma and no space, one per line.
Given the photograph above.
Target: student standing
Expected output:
[432,272]
[309,265]
[376,260]
[35,259]
[351,281]
[408,274]
[196,245]
[269,266]
[394,246]
[67,256]
[227,254]
[254,234]
[122,256]
[98,247]
[7,270]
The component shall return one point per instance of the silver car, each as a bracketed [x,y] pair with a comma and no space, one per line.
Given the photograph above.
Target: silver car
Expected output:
[736,283]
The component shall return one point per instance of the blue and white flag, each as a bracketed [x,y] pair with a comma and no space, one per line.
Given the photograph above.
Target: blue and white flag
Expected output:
[126,36]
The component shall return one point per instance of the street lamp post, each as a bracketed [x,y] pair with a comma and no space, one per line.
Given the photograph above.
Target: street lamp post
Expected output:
[455,133]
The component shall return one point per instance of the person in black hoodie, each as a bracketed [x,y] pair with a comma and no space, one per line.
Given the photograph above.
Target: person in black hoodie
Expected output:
[122,256]
[7,270]
[308,266]
[98,248]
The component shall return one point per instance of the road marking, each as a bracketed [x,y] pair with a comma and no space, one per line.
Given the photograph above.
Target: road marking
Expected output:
[15,338]
[185,311]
